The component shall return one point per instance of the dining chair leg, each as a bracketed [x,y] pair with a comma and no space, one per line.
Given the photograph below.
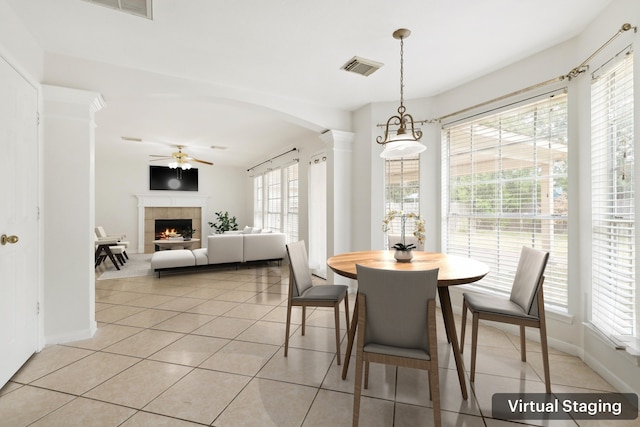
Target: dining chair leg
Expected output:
[463,326]
[434,384]
[350,340]
[523,344]
[304,317]
[357,389]
[346,310]
[543,342]
[336,313]
[545,360]
[358,318]
[474,345]
[288,329]
[366,374]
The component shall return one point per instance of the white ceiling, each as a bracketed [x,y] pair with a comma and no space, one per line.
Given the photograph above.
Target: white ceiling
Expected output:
[206,72]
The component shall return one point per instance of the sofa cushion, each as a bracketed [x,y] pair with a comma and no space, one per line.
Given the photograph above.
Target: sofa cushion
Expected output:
[201,257]
[172,258]
[264,246]
[224,248]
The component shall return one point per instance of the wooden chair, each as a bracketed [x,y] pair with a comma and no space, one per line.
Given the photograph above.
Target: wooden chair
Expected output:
[302,293]
[524,307]
[397,326]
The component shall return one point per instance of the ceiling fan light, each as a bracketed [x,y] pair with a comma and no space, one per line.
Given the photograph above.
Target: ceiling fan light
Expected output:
[185,166]
[173,165]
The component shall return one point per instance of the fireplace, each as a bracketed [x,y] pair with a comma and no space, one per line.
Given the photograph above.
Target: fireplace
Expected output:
[153,207]
[166,228]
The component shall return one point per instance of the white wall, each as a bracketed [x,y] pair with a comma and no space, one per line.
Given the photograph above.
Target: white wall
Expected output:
[18,46]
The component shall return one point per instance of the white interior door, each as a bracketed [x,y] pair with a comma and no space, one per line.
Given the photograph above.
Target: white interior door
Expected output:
[19,263]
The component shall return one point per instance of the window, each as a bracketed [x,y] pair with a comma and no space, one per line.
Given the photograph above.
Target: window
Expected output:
[504,187]
[273,198]
[613,299]
[275,201]
[291,208]
[258,206]
[402,190]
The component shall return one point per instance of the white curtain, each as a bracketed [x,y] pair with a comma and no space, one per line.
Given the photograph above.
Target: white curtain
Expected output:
[317,246]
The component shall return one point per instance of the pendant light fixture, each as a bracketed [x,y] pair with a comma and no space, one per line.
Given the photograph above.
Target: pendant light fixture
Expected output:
[405,142]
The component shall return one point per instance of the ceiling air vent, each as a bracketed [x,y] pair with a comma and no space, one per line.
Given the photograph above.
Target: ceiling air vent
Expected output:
[135,7]
[364,67]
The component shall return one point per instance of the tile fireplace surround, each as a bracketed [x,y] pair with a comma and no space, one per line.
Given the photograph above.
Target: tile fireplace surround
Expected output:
[151,208]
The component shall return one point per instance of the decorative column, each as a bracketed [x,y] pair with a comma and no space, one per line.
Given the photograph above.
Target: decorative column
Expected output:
[339,200]
[68,213]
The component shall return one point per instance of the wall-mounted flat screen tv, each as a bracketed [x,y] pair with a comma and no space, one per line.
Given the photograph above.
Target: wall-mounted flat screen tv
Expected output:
[165,178]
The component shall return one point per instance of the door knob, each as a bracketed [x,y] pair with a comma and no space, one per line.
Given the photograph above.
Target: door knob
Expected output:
[4,239]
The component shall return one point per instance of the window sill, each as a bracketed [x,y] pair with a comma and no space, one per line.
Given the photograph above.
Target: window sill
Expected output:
[630,348]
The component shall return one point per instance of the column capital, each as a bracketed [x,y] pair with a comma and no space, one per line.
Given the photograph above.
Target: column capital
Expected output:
[71,102]
[338,139]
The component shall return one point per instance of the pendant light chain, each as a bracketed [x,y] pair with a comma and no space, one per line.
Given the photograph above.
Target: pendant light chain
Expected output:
[401,73]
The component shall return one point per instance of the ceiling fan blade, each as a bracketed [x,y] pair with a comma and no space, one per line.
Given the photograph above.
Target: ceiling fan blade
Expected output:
[159,155]
[160,160]
[202,161]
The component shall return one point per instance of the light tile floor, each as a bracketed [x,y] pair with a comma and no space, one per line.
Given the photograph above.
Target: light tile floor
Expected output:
[206,348]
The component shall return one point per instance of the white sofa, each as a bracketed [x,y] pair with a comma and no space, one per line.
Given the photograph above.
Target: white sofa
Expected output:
[228,248]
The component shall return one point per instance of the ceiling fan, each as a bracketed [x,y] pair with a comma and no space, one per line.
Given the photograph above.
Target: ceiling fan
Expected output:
[179,159]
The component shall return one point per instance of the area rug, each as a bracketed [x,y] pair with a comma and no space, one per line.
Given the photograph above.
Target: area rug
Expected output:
[137,265]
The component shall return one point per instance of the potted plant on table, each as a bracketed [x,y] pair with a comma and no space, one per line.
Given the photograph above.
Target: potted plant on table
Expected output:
[187,233]
[403,251]
[224,223]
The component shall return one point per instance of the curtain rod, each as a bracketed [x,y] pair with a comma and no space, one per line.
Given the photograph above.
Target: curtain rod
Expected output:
[271,159]
[575,72]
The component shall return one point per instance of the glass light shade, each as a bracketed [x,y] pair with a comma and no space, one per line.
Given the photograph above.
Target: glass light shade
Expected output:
[398,148]
[180,164]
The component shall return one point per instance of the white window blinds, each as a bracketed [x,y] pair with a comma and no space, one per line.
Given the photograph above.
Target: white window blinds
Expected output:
[258,204]
[613,299]
[504,187]
[275,201]
[273,189]
[402,190]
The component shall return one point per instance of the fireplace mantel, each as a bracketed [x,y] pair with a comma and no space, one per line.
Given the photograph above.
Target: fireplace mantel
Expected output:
[160,201]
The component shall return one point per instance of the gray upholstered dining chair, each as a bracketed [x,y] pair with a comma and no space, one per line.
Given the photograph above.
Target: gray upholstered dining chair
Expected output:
[397,326]
[524,307]
[303,293]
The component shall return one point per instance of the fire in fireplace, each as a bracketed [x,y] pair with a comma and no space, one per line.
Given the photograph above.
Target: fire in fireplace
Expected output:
[166,228]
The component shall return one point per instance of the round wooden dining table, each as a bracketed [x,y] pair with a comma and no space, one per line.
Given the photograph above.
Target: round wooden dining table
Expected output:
[453,270]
